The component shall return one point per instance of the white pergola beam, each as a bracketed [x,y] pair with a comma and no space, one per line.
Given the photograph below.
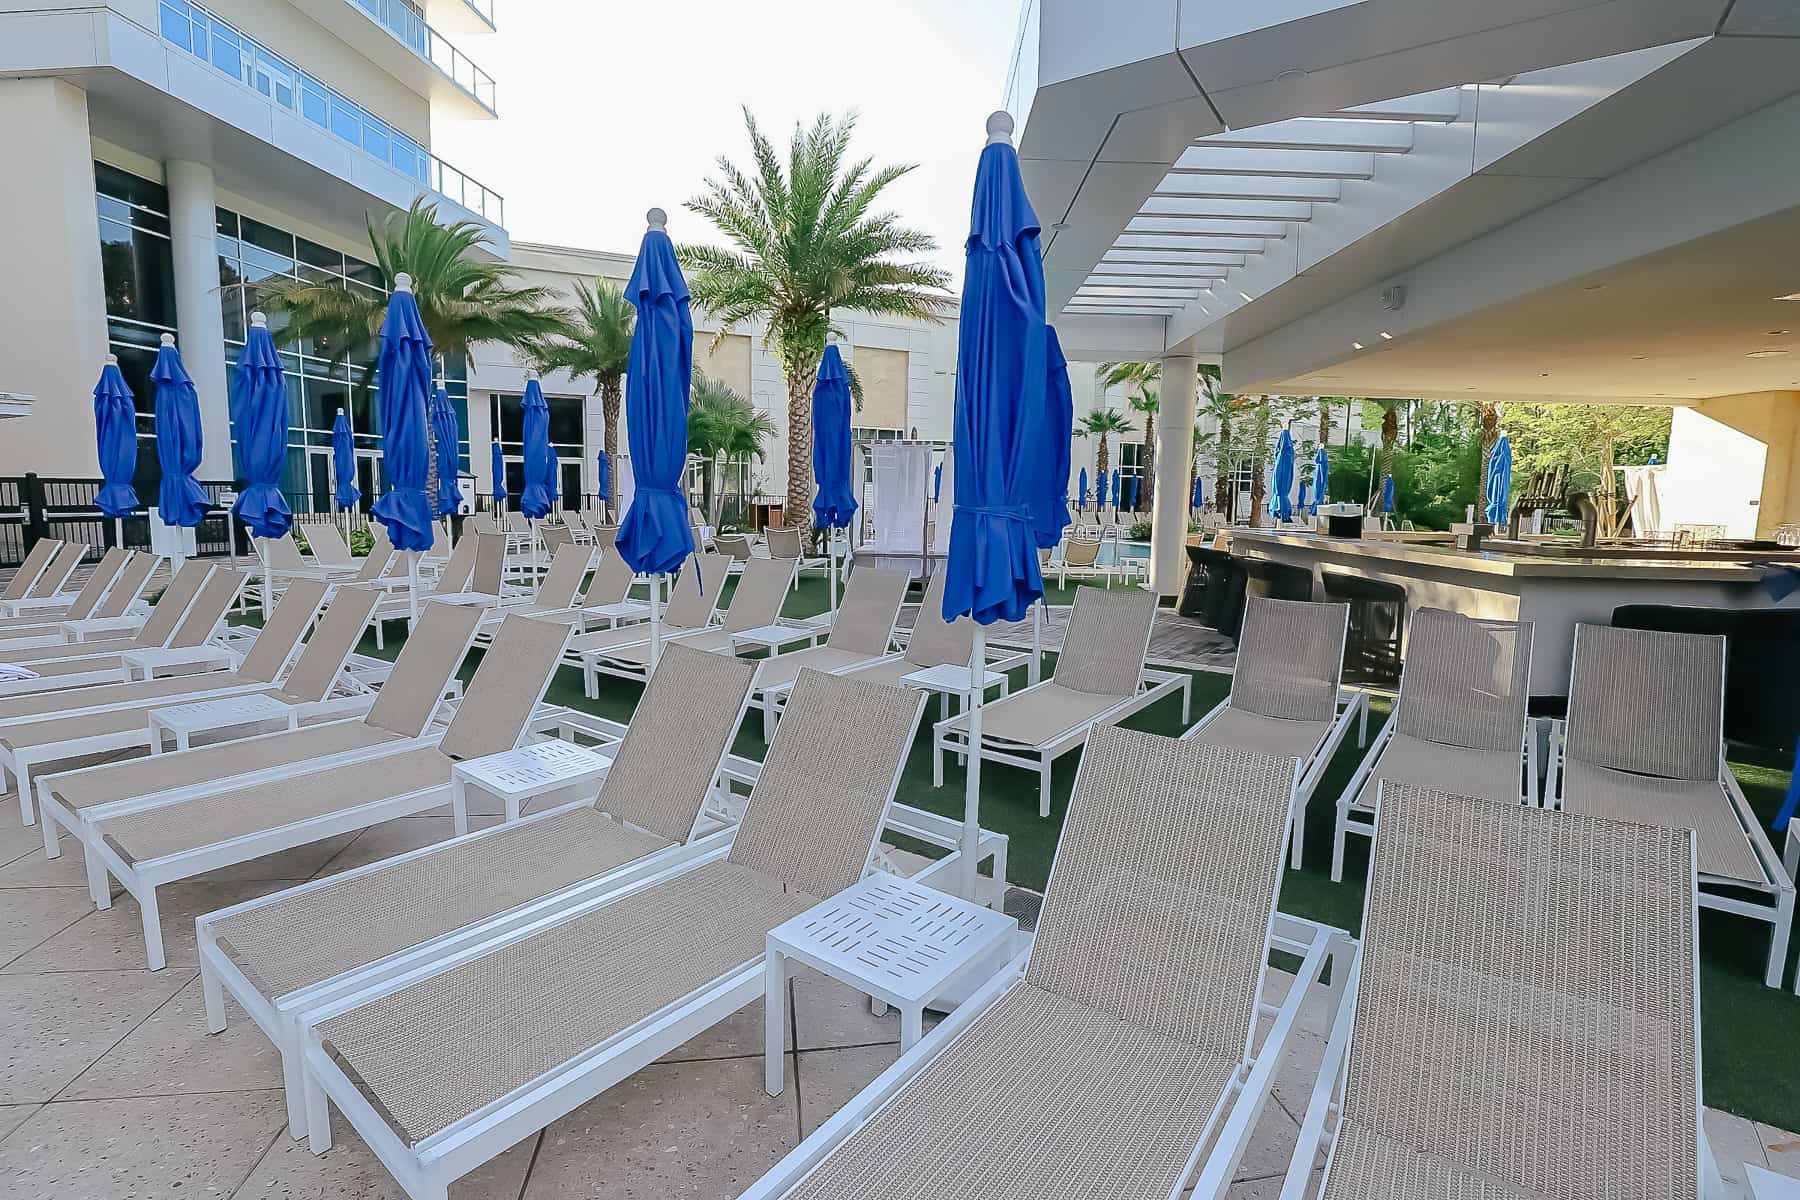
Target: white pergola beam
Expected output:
[1158,272]
[1201,206]
[1250,187]
[1441,106]
[1172,258]
[1187,241]
[1207,227]
[1320,133]
[1299,164]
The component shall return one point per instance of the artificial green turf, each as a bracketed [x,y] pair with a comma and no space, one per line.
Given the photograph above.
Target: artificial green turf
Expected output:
[1747,1029]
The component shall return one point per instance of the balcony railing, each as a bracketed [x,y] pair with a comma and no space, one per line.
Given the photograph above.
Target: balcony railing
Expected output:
[225,48]
[401,20]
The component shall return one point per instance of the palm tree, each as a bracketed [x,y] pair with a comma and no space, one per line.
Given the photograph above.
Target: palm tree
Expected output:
[1390,441]
[1488,420]
[596,345]
[464,301]
[1141,379]
[1099,423]
[722,423]
[806,242]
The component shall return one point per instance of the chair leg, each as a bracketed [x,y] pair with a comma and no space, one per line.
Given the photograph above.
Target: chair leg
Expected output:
[153,939]
[1044,771]
[1298,823]
[1778,940]
[1337,844]
[99,885]
[214,996]
[937,761]
[318,1115]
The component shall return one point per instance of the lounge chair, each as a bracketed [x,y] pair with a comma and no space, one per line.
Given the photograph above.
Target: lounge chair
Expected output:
[1081,557]
[42,626]
[79,722]
[608,599]
[1287,695]
[328,547]
[72,665]
[47,591]
[155,628]
[1100,679]
[1459,723]
[933,642]
[690,608]
[761,591]
[556,598]
[431,1067]
[786,543]
[281,954]
[1119,1058]
[240,821]
[1524,1019]
[861,634]
[26,577]
[737,547]
[402,713]
[119,612]
[471,576]
[1645,742]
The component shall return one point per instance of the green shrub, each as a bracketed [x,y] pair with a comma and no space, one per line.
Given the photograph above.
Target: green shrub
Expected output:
[1140,532]
[361,541]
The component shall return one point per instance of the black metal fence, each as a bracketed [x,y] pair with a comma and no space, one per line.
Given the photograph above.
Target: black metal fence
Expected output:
[34,506]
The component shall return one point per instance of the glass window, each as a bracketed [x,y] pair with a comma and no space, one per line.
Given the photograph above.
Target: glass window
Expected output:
[362,272]
[227,52]
[315,104]
[226,222]
[315,255]
[346,119]
[176,26]
[139,274]
[277,241]
[565,420]
[122,185]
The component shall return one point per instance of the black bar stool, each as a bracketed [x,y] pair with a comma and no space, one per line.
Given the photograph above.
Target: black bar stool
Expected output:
[1377,626]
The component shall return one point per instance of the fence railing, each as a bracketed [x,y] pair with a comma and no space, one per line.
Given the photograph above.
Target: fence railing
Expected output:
[33,507]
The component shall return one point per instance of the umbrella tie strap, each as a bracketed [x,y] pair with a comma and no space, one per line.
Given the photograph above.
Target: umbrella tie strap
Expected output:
[1014,512]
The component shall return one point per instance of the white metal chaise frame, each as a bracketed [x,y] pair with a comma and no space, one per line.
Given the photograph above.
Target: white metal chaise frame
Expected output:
[426,1171]
[610,660]
[769,699]
[47,592]
[951,735]
[1208,1173]
[1351,705]
[1714,891]
[141,878]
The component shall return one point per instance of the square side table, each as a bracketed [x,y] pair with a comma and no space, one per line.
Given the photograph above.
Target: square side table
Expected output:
[184,721]
[524,772]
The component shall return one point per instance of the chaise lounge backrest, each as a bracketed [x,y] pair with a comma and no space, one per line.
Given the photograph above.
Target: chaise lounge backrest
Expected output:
[1466,681]
[1648,702]
[936,642]
[865,620]
[433,652]
[282,631]
[333,639]
[512,678]
[1109,633]
[1290,659]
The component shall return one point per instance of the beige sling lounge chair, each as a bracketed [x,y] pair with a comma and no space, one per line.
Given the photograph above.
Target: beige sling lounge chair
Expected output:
[433,1068]
[29,572]
[1459,723]
[1100,679]
[608,599]
[1523,1017]
[1121,1057]
[761,590]
[113,613]
[47,594]
[1645,742]
[75,801]
[691,605]
[862,633]
[296,949]
[1287,695]
[155,630]
[39,626]
[240,821]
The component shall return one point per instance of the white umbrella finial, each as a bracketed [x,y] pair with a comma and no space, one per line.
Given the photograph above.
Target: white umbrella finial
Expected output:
[658,219]
[258,321]
[168,339]
[403,282]
[530,375]
[112,360]
[1000,127]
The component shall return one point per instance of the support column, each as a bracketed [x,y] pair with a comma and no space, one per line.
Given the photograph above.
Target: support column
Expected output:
[200,318]
[1174,450]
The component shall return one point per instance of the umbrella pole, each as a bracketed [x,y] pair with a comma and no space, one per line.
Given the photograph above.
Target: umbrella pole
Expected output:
[1037,640]
[655,625]
[262,552]
[831,554]
[412,588]
[971,834]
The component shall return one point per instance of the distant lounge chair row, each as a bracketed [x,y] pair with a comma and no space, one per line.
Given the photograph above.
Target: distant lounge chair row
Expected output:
[106,599]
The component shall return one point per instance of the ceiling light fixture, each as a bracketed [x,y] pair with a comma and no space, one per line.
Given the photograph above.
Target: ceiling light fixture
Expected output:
[1775,333]
[1765,354]
[1639,357]
[1789,296]
[1594,287]
[1246,296]
[1386,336]
[1356,345]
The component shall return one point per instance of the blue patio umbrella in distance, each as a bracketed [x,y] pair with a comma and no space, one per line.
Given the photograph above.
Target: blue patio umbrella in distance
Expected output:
[403,375]
[179,499]
[654,537]
[937,482]
[1001,379]
[447,435]
[343,462]
[1135,480]
[537,496]
[1081,489]
[1300,503]
[555,485]
[259,419]
[1499,481]
[603,472]
[1387,493]
[115,437]
[1321,477]
[834,504]
[1199,500]
[497,473]
[1281,504]
[1118,493]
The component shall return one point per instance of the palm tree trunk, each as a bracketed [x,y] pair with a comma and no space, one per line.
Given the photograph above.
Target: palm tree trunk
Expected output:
[1489,417]
[609,414]
[798,513]
[1100,460]
[1147,493]
[1324,422]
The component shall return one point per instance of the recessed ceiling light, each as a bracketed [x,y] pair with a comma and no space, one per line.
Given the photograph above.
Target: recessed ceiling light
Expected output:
[1765,354]
[1775,333]
[1594,287]
[1059,224]
[1789,296]
[1386,336]
[1543,374]
[1639,357]
[1356,345]
[1246,296]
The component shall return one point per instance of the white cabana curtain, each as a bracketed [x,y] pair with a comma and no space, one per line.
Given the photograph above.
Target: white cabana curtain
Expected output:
[1642,492]
[902,489]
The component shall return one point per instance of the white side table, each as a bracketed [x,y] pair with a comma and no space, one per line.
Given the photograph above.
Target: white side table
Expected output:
[183,721]
[614,615]
[773,637]
[956,682]
[1767,1185]
[146,663]
[519,774]
[898,942]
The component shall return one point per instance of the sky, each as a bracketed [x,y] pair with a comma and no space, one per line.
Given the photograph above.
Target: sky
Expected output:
[608,107]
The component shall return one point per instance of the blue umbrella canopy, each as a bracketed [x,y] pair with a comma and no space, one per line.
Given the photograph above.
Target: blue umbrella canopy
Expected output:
[1132,504]
[1387,494]
[448,435]
[1100,478]
[603,465]
[937,482]
[403,373]
[1199,500]
[259,417]
[1321,476]
[835,502]
[1281,505]
[654,536]
[1301,502]
[179,499]
[1118,491]
[1082,488]
[1499,481]
[1001,377]
[1053,427]
[497,471]
[343,461]
[538,493]
[115,435]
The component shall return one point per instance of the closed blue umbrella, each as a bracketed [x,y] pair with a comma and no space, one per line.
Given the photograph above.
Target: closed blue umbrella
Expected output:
[497,473]
[403,374]
[1132,504]
[1387,494]
[448,435]
[115,435]
[1001,379]
[603,467]
[654,538]
[1499,481]
[343,461]
[937,482]
[179,499]
[535,498]
[1054,426]
[1118,493]
[1301,502]
[1321,477]
[259,418]
[1082,489]
[1281,505]
[834,504]
[1199,500]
